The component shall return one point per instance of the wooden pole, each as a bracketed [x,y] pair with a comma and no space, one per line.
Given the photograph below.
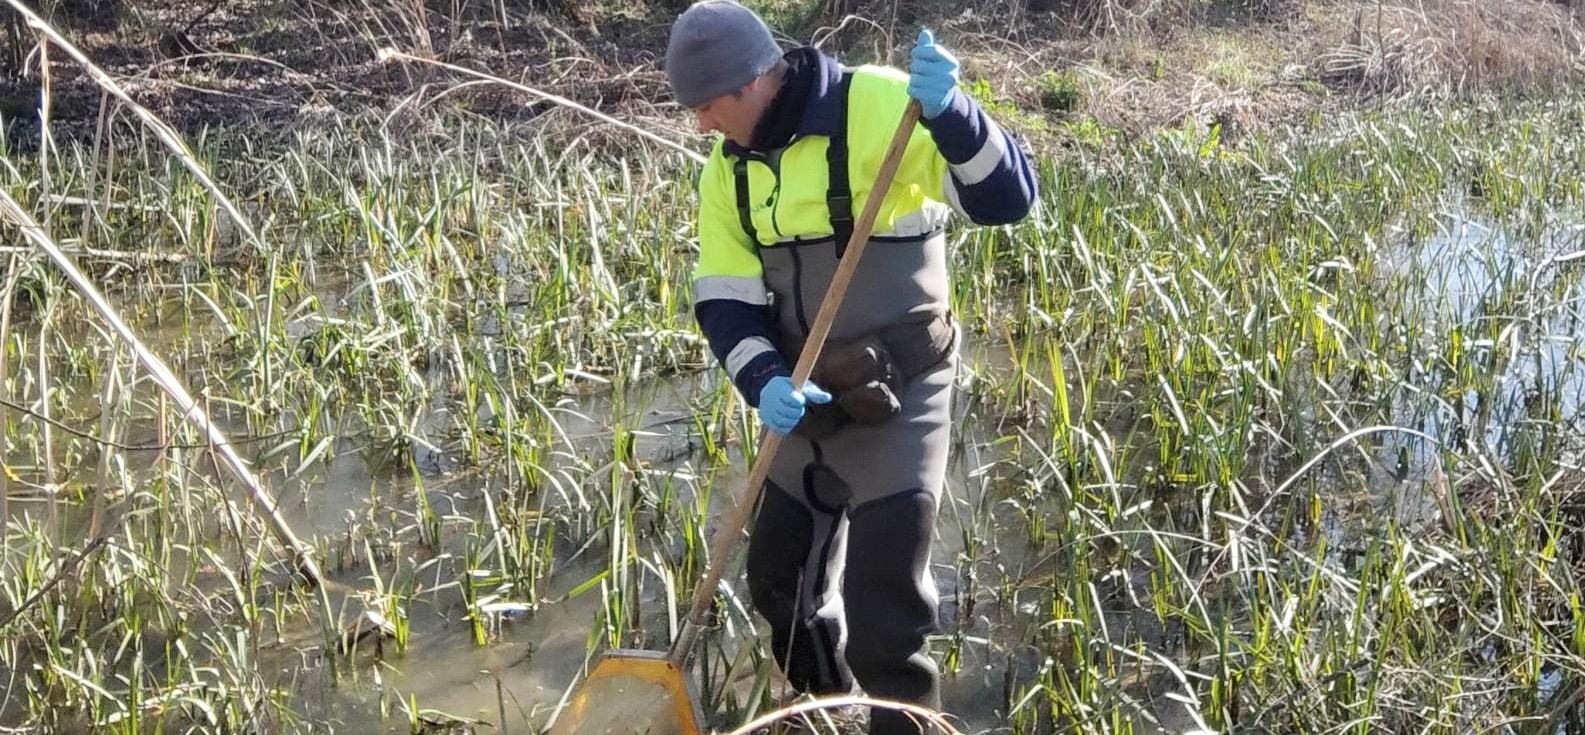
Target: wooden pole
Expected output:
[737,520]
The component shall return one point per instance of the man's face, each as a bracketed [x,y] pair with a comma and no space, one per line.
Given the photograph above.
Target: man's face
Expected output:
[737,113]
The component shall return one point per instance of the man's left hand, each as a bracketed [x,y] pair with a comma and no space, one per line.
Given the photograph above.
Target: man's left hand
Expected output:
[932,75]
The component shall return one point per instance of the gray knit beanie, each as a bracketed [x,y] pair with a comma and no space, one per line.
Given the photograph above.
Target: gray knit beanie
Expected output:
[716,47]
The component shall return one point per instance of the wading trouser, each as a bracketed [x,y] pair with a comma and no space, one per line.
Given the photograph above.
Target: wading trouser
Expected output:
[839,558]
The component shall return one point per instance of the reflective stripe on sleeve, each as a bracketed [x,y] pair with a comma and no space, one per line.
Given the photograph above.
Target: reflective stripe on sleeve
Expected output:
[745,352]
[984,163]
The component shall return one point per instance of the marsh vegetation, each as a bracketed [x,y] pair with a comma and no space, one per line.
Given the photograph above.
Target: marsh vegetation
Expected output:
[1274,434]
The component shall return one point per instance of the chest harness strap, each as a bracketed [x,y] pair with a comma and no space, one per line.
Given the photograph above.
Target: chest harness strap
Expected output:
[839,195]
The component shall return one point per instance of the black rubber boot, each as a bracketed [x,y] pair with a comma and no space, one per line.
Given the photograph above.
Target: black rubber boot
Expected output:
[891,605]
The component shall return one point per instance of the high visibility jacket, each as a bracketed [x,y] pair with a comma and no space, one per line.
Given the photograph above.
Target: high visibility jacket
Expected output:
[766,245]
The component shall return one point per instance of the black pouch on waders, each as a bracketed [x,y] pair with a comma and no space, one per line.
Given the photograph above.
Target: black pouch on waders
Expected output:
[865,375]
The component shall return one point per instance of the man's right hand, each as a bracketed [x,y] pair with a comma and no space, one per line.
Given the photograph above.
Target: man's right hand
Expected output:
[781,407]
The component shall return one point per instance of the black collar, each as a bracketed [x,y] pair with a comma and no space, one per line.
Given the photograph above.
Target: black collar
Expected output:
[820,78]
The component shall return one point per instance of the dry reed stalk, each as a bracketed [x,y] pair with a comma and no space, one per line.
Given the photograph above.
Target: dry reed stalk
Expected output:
[117,255]
[13,274]
[46,436]
[44,124]
[109,406]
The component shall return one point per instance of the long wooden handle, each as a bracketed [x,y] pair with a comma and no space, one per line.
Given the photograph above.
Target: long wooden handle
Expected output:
[727,536]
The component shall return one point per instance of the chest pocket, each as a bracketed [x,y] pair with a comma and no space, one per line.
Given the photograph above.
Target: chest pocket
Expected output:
[838,194]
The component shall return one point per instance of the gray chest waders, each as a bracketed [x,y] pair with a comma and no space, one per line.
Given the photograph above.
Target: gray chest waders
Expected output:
[838,559]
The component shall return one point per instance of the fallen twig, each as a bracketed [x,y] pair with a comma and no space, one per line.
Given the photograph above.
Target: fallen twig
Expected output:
[67,569]
[72,201]
[122,255]
[79,433]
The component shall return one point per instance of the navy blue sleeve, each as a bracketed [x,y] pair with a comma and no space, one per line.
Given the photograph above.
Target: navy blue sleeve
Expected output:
[993,182]
[742,338]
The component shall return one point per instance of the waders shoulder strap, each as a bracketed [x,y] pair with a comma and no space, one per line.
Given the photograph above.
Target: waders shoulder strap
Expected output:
[839,196]
[740,172]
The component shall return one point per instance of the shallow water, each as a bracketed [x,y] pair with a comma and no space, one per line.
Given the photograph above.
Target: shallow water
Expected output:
[537,656]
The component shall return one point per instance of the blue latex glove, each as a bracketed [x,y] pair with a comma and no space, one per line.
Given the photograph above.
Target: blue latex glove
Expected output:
[932,75]
[781,407]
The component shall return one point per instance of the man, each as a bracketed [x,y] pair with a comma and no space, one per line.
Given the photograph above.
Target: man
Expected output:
[838,561]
